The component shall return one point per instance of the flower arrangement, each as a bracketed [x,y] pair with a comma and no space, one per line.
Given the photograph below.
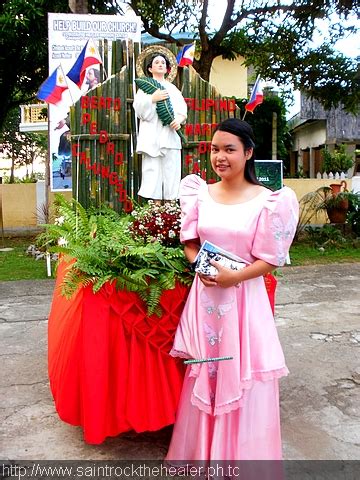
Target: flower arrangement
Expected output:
[157,223]
[140,252]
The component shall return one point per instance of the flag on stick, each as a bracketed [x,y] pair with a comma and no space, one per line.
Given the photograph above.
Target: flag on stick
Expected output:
[256,97]
[186,55]
[52,89]
[88,56]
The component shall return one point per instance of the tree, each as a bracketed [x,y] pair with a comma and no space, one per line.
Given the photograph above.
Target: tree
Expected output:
[274,36]
[21,148]
[24,46]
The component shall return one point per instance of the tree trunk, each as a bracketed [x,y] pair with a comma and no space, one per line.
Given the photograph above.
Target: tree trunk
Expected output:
[12,170]
[78,6]
[203,65]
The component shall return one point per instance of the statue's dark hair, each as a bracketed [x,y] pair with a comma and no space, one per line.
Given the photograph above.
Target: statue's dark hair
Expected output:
[149,63]
[246,135]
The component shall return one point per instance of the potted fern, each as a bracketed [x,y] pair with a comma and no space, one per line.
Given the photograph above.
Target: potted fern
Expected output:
[141,251]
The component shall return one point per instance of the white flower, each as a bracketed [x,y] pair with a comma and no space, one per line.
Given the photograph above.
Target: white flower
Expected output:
[59,220]
[172,234]
[62,242]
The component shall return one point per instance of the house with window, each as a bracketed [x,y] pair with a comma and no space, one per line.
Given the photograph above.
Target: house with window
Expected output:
[313,128]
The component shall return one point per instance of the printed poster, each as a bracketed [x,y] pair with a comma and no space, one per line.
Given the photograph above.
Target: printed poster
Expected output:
[68,34]
[270,173]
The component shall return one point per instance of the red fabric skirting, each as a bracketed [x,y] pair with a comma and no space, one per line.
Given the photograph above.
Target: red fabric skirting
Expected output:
[109,367]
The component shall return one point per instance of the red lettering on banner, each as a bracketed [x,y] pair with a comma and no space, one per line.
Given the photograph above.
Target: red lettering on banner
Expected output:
[75,149]
[197,129]
[200,107]
[128,206]
[110,148]
[190,103]
[100,103]
[196,168]
[205,128]
[117,104]
[93,103]
[96,168]
[105,172]
[209,103]
[84,102]
[119,158]
[93,128]
[232,105]
[223,105]
[122,196]
[188,159]
[189,129]
[113,178]
[83,159]
[104,137]
[85,118]
[204,147]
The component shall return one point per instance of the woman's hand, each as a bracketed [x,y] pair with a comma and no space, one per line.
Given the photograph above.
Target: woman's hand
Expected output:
[208,280]
[226,277]
[159,94]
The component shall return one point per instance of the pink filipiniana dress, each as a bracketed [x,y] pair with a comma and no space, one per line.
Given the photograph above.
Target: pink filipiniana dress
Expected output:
[229,410]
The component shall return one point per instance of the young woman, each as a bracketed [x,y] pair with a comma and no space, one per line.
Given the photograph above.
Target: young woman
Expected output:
[159,144]
[229,410]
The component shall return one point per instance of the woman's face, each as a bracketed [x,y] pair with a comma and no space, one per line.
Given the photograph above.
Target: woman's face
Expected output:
[158,66]
[228,156]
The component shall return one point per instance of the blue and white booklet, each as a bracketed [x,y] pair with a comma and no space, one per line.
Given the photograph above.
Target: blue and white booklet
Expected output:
[210,251]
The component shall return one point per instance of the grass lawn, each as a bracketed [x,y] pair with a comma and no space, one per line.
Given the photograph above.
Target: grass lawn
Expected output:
[305,254]
[16,264]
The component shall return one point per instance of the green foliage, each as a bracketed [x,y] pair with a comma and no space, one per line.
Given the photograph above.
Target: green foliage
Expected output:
[324,200]
[326,236]
[338,160]
[21,148]
[275,37]
[261,122]
[101,247]
[24,47]
[353,216]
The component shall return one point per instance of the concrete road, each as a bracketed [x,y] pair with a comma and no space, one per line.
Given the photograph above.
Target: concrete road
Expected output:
[318,318]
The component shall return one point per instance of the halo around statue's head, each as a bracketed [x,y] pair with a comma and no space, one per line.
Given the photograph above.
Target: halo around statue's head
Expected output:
[152,51]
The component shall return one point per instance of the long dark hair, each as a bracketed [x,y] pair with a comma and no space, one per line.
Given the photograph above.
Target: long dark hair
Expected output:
[246,135]
[149,63]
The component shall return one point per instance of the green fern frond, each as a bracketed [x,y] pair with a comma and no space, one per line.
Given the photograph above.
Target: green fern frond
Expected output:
[101,248]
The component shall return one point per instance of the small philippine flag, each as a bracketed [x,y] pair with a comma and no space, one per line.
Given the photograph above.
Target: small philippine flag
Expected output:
[88,56]
[52,89]
[256,97]
[186,55]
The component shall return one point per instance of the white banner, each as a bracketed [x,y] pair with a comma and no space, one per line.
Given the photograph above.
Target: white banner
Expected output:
[68,34]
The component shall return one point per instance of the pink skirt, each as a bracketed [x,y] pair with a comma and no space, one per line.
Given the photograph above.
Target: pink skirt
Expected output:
[252,432]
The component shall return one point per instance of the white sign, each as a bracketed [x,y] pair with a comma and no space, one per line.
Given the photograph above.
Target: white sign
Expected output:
[68,34]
